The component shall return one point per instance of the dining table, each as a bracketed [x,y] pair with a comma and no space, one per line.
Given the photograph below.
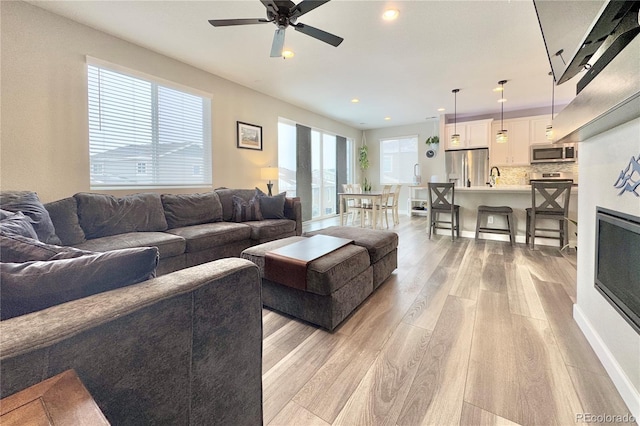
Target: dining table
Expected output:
[374,198]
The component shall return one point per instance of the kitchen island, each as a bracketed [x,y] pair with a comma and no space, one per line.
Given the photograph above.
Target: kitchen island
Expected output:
[518,197]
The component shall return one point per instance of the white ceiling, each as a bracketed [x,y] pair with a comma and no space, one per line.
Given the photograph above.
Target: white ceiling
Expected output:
[404,69]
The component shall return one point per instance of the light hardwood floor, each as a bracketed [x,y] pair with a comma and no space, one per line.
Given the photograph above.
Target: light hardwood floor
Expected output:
[464,332]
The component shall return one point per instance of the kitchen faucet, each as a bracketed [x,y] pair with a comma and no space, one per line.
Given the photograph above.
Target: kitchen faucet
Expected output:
[492,177]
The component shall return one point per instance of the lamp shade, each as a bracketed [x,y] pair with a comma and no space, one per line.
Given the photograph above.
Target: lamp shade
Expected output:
[269,173]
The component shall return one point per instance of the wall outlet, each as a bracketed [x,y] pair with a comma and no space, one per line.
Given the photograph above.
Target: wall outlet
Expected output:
[490,220]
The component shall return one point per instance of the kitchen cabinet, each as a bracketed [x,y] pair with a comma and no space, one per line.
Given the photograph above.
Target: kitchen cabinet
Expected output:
[473,134]
[538,130]
[516,151]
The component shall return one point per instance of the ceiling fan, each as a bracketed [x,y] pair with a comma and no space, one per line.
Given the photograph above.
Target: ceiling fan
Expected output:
[284,13]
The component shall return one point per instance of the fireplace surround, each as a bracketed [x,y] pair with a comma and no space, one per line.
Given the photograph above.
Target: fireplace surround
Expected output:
[617,262]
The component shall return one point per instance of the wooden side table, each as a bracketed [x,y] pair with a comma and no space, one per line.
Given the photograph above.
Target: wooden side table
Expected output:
[59,400]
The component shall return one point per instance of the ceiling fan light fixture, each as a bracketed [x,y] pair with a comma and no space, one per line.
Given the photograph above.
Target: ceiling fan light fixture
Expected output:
[502,136]
[390,14]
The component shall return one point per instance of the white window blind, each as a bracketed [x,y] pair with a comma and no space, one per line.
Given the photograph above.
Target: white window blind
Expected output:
[143,134]
[397,158]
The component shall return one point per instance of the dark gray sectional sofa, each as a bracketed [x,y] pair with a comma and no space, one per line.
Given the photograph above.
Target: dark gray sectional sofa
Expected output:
[188,229]
[182,348]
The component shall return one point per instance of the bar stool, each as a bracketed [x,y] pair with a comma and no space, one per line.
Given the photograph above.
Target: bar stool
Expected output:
[439,205]
[549,200]
[496,210]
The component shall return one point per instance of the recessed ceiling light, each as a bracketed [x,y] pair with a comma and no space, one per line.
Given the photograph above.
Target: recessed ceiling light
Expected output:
[440,109]
[390,14]
[387,118]
[288,54]
[355,100]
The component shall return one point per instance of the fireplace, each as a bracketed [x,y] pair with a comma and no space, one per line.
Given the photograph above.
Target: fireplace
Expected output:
[617,262]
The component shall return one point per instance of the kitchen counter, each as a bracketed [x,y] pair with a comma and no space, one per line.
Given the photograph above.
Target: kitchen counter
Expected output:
[518,197]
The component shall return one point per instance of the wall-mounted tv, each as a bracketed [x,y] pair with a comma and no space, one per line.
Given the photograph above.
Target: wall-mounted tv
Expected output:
[617,274]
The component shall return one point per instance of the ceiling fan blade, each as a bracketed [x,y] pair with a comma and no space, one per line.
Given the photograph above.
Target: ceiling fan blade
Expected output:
[306,6]
[278,43]
[229,22]
[333,40]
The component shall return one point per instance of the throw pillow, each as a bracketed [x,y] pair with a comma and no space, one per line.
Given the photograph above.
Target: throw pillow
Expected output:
[244,211]
[32,286]
[18,249]
[29,204]
[102,215]
[17,224]
[271,207]
[191,209]
[64,215]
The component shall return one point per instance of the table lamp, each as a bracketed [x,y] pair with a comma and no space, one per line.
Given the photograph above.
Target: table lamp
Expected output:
[269,173]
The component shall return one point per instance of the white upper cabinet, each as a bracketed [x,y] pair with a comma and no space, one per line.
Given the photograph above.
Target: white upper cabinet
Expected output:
[539,129]
[516,151]
[473,134]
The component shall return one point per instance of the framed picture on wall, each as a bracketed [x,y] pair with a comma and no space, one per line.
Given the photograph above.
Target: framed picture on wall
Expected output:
[249,136]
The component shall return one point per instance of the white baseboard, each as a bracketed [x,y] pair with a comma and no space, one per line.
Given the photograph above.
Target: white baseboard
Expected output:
[629,393]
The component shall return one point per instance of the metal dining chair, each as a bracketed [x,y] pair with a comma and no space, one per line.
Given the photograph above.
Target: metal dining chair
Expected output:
[549,200]
[438,204]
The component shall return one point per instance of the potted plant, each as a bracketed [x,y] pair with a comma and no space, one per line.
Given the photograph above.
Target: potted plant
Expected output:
[363,157]
[432,140]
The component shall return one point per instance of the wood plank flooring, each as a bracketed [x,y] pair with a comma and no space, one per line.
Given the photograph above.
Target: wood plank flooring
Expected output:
[462,333]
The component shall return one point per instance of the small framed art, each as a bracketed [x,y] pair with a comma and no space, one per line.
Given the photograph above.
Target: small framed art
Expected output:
[249,136]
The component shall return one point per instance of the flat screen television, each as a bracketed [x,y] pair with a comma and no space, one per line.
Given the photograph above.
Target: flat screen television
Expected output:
[617,275]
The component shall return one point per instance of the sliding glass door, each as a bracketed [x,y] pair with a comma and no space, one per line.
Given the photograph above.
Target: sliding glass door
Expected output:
[323,173]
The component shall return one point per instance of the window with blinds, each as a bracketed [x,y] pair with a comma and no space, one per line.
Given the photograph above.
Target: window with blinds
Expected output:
[144,134]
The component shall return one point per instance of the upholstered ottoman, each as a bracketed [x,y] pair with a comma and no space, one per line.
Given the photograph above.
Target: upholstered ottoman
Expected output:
[382,247]
[336,284]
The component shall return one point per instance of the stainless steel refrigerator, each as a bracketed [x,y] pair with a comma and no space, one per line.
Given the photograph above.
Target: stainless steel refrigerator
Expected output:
[467,167]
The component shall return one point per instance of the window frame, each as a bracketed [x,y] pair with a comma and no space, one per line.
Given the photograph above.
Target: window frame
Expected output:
[386,160]
[161,84]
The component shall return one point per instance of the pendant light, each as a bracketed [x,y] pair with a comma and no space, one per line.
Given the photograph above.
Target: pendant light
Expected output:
[549,131]
[501,136]
[455,138]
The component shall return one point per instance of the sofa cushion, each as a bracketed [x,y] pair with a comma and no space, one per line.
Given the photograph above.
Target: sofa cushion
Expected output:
[101,215]
[269,229]
[33,286]
[271,207]
[226,199]
[17,224]
[17,249]
[168,245]
[378,243]
[29,204]
[208,235]
[244,211]
[64,215]
[191,209]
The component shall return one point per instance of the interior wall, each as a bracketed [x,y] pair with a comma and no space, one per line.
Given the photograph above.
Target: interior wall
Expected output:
[428,166]
[44,140]
[602,158]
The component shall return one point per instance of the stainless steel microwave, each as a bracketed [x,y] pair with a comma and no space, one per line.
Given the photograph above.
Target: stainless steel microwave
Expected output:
[554,153]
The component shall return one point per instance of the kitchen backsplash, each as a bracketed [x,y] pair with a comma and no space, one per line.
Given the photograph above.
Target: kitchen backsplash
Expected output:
[520,175]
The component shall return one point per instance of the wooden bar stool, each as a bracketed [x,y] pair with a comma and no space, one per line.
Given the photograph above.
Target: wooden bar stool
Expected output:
[498,210]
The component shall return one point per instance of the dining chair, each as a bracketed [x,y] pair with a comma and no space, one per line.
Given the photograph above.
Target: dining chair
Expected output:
[394,207]
[549,200]
[352,206]
[380,206]
[438,204]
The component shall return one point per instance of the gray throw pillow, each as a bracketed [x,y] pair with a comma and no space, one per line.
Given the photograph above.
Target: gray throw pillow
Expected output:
[191,209]
[101,215]
[18,249]
[29,204]
[271,207]
[64,215]
[33,286]
[16,224]
[244,211]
